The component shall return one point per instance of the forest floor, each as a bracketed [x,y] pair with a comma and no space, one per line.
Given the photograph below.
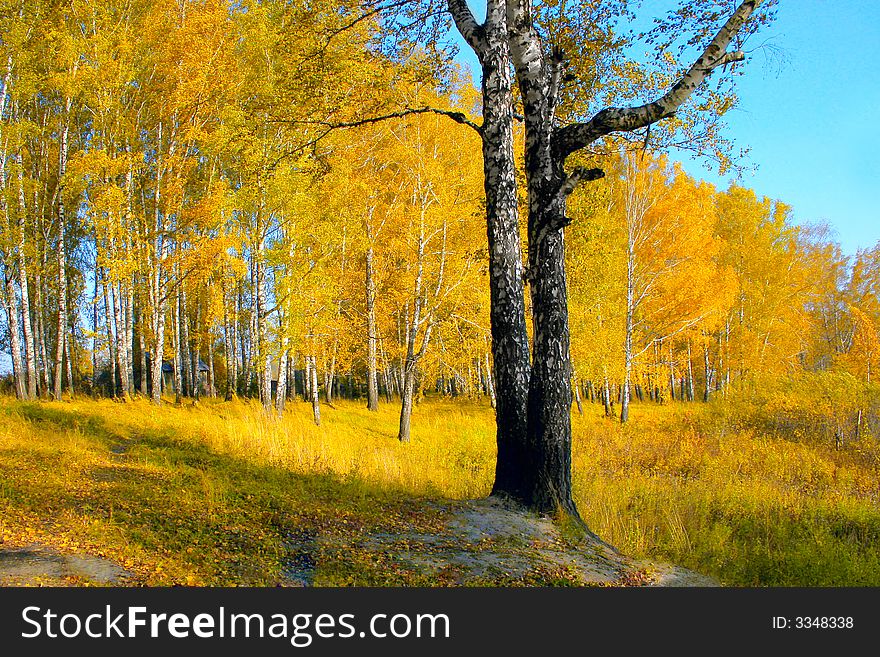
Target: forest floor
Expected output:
[101,492]
[481,543]
[92,497]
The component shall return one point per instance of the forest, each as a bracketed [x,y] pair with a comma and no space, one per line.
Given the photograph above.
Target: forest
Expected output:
[254,208]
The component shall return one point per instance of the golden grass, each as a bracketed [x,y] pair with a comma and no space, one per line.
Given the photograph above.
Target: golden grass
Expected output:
[677,483]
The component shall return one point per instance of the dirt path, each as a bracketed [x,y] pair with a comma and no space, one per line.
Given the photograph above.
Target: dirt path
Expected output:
[38,565]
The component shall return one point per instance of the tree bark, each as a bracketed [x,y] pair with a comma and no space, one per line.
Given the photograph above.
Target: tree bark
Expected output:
[41,329]
[281,391]
[62,255]
[111,339]
[30,355]
[372,330]
[121,348]
[690,373]
[144,389]
[403,434]
[184,345]
[707,373]
[490,383]
[157,288]
[547,478]
[510,346]
[176,347]
[11,305]
[316,401]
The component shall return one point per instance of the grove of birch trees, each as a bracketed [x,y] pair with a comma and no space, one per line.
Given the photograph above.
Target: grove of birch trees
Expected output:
[261,199]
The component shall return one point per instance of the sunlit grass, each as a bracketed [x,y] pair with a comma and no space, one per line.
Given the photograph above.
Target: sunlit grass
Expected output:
[205,493]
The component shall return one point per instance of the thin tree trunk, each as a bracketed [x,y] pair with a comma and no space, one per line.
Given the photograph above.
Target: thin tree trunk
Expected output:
[196,353]
[111,339]
[316,402]
[144,373]
[30,355]
[329,376]
[403,434]
[212,384]
[121,349]
[606,398]
[11,306]
[69,355]
[228,351]
[707,372]
[129,335]
[41,330]
[307,379]
[281,391]
[176,347]
[158,300]
[184,345]
[62,258]
[95,326]
[690,374]
[263,349]
[372,332]
[490,382]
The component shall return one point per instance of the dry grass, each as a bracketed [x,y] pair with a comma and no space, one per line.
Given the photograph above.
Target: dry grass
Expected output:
[206,492]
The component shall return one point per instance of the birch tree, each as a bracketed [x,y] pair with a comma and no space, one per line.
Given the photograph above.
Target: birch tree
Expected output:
[541,69]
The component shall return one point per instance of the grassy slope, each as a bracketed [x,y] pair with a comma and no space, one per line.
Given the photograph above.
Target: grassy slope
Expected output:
[212,494]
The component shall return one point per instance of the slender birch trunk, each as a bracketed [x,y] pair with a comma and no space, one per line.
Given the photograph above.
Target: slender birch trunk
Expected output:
[313,384]
[30,355]
[176,347]
[62,253]
[10,303]
[281,392]
[490,382]
[111,339]
[372,331]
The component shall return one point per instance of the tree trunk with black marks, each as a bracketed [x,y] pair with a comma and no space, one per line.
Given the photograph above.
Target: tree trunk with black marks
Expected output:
[184,345]
[62,255]
[690,373]
[281,391]
[372,330]
[10,304]
[545,482]
[176,346]
[120,347]
[112,358]
[30,355]
[315,398]
[158,285]
[144,390]
[510,346]
[707,373]
[329,377]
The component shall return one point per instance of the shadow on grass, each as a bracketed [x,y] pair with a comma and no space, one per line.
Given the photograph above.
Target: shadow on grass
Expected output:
[180,508]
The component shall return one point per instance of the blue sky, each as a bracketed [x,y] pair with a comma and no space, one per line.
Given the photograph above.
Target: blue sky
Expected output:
[809,113]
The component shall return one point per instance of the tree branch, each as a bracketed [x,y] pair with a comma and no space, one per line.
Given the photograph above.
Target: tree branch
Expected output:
[613,119]
[471,31]
[330,126]
[579,175]
[458,117]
